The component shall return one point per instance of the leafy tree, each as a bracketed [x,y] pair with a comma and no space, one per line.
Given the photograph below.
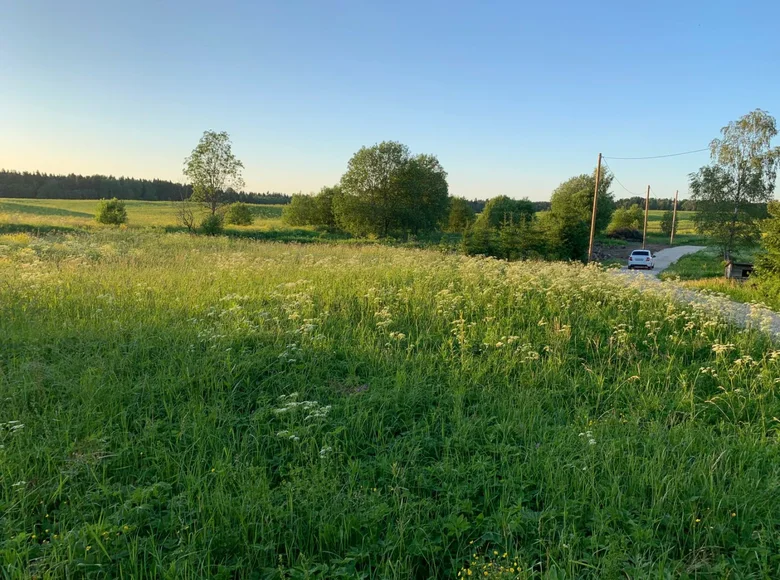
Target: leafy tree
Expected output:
[567,224]
[111,211]
[301,211]
[460,216]
[238,213]
[324,207]
[626,218]
[768,261]
[424,194]
[213,169]
[742,174]
[385,191]
[666,222]
[503,209]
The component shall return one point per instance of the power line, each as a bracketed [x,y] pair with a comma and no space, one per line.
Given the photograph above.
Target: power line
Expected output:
[612,171]
[661,156]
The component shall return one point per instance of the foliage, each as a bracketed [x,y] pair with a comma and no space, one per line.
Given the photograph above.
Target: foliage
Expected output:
[316,210]
[626,218]
[768,260]
[460,216]
[238,214]
[211,224]
[667,220]
[111,211]
[301,211]
[502,209]
[213,170]
[567,224]
[742,174]
[253,410]
[386,191]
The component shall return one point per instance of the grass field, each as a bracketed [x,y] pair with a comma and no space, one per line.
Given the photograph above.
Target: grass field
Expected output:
[81,214]
[187,407]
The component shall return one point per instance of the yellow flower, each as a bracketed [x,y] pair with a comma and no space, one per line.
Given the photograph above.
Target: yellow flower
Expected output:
[733,514]
[89,548]
[468,571]
[697,520]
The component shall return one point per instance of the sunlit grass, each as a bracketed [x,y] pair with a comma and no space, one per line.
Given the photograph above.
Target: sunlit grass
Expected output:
[181,406]
[81,214]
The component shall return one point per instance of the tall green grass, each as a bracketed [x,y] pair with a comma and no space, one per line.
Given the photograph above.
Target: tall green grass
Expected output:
[183,407]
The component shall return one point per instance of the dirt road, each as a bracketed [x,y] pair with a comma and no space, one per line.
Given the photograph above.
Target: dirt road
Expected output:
[667,257]
[744,315]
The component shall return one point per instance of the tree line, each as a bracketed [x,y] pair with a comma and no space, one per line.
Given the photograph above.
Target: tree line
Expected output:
[388,192]
[39,185]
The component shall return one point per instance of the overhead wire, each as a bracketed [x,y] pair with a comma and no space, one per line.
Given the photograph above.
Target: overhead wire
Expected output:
[659,156]
[616,178]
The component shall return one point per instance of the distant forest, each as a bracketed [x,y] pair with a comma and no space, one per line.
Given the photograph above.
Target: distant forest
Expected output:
[44,186]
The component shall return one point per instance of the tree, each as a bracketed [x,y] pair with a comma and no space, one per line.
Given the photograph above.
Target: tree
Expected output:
[666,222]
[386,191]
[503,209]
[626,218]
[301,211]
[567,224]
[768,261]
[742,174]
[460,216]
[111,211]
[213,169]
[323,201]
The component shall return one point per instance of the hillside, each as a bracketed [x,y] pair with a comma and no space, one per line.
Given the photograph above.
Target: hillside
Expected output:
[186,406]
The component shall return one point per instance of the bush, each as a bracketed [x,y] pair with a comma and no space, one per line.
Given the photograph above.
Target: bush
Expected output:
[626,219]
[111,211]
[501,209]
[238,214]
[301,211]
[211,224]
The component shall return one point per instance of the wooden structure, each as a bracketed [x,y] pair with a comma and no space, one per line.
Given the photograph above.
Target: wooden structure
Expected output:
[738,270]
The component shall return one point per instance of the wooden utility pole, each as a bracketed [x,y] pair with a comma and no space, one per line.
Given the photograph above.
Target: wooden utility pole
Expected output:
[593,213]
[647,209]
[674,219]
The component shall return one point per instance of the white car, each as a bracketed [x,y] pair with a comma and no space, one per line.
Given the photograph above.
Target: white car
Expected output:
[641,259]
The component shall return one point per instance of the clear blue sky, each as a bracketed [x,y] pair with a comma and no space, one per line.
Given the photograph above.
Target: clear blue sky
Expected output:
[513,97]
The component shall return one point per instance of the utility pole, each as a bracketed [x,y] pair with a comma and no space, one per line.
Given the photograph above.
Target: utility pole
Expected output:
[674,219]
[647,209]
[593,213]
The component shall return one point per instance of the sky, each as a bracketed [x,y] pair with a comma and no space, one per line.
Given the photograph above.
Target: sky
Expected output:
[512,97]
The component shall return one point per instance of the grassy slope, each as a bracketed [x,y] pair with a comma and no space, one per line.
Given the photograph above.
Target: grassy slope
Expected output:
[456,407]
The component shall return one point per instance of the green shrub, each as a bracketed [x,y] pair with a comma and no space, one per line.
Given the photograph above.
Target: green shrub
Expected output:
[111,211]
[238,214]
[211,225]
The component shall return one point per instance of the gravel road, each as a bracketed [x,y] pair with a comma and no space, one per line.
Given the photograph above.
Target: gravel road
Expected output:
[744,315]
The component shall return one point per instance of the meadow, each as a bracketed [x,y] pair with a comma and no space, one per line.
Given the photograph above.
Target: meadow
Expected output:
[73,214]
[181,406]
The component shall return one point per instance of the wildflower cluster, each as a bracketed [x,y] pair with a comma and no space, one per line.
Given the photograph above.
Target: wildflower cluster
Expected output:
[493,565]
